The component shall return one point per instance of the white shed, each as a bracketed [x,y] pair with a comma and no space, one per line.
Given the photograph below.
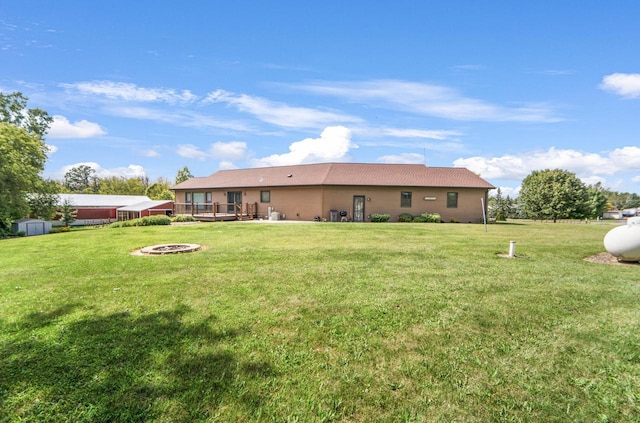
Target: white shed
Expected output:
[31,227]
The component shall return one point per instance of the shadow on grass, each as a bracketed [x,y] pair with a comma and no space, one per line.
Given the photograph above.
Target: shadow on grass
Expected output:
[119,368]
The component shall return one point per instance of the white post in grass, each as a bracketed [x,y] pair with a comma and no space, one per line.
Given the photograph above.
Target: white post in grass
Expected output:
[512,249]
[484,214]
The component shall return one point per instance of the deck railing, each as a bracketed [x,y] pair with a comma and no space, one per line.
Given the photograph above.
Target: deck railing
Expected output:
[217,210]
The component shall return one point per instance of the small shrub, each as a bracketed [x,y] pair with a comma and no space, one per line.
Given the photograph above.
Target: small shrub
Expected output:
[405,217]
[184,218]
[432,217]
[377,217]
[159,219]
[59,229]
[21,233]
[420,219]
[145,221]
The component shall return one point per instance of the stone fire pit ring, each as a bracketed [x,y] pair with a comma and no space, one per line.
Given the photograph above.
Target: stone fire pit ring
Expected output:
[162,249]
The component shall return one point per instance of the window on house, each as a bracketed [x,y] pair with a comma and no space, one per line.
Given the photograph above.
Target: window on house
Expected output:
[187,199]
[452,200]
[198,201]
[405,199]
[265,196]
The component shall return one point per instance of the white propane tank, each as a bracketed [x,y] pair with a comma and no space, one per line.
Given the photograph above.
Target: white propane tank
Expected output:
[623,242]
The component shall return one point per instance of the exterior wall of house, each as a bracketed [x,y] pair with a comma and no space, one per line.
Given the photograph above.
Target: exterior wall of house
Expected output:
[305,203]
[423,200]
[295,203]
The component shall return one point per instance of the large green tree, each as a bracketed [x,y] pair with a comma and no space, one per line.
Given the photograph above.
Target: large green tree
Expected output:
[13,110]
[82,179]
[22,159]
[160,190]
[552,194]
[501,208]
[115,185]
[183,174]
[597,201]
[44,201]
[23,154]
[624,200]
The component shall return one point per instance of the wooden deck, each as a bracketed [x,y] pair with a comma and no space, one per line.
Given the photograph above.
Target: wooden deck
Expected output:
[215,212]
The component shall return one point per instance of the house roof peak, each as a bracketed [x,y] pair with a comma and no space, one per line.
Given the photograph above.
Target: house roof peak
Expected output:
[361,174]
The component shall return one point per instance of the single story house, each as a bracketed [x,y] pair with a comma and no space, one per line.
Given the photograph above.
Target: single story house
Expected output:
[325,191]
[95,209]
[31,227]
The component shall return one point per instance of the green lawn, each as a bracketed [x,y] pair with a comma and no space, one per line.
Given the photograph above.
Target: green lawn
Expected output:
[319,322]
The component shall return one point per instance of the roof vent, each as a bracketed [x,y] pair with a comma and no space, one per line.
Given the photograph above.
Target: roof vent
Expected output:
[289,175]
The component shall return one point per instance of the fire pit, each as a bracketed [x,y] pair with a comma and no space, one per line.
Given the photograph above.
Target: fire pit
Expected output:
[170,249]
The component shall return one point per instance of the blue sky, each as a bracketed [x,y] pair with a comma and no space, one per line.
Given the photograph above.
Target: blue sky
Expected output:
[499,87]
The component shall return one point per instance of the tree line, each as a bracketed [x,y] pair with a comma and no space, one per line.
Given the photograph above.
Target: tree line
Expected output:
[554,194]
[23,154]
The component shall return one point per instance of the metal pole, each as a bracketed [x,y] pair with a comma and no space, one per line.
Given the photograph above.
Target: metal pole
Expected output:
[484,214]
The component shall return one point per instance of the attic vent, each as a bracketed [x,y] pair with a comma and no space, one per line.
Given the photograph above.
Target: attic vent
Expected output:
[289,175]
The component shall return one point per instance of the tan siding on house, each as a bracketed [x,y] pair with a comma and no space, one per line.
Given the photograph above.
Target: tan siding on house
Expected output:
[305,203]
[387,200]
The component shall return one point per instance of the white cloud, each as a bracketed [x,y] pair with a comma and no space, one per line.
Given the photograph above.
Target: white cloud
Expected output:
[587,166]
[405,158]
[62,128]
[131,171]
[557,72]
[505,167]
[175,117]
[51,149]
[459,68]
[430,100]
[225,164]
[592,180]
[420,133]
[624,84]
[233,150]
[191,151]
[334,144]
[627,158]
[507,191]
[150,153]
[278,113]
[130,92]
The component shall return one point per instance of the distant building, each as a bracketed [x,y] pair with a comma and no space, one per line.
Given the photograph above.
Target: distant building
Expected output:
[95,209]
[30,227]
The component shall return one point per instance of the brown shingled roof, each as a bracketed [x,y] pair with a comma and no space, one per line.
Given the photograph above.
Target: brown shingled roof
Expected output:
[361,174]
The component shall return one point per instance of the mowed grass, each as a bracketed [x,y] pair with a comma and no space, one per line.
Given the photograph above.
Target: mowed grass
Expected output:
[319,322]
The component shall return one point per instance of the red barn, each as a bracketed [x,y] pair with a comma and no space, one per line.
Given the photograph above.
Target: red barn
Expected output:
[95,209]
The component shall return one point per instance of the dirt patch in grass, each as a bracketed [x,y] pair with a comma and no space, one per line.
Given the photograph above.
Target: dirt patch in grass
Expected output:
[606,258]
